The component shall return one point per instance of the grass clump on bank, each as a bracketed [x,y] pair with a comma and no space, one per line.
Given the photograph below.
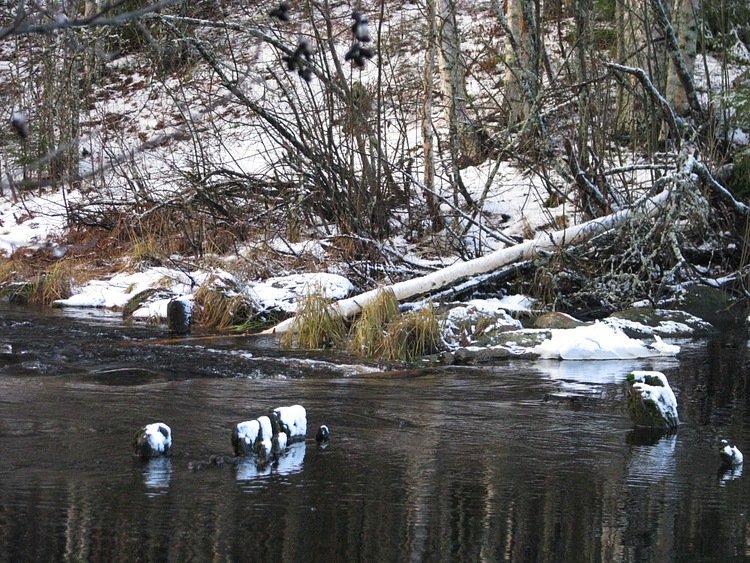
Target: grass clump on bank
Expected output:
[412,336]
[316,325]
[369,332]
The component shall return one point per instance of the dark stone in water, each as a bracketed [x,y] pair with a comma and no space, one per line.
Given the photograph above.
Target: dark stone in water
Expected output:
[178,315]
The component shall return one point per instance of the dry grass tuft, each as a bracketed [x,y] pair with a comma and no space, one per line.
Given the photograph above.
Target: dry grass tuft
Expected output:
[412,336]
[369,330]
[54,283]
[215,309]
[316,325]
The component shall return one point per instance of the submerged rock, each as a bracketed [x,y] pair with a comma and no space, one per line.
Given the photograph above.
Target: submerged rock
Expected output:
[153,440]
[730,454]
[651,401]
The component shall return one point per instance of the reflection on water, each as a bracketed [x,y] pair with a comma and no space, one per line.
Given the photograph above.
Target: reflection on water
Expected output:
[157,473]
[288,462]
[522,461]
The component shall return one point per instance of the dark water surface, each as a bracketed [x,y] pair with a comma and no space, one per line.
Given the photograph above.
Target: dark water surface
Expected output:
[522,461]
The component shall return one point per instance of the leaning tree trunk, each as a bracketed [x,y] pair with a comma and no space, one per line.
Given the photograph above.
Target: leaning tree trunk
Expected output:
[682,178]
[435,281]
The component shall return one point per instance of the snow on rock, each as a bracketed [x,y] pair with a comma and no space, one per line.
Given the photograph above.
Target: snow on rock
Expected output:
[730,454]
[477,322]
[599,341]
[646,321]
[282,293]
[153,440]
[179,313]
[244,436]
[269,435]
[292,421]
[651,401]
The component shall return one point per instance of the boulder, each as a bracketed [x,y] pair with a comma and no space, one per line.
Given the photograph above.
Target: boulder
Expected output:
[153,440]
[651,401]
[556,319]
[714,305]
[179,314]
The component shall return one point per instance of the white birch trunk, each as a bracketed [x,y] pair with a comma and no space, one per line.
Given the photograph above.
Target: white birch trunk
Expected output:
[434,281]
[453,84]
[520,73]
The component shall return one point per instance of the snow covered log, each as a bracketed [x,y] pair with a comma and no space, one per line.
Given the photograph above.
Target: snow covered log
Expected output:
[526,250]
[152,440]
[651,401]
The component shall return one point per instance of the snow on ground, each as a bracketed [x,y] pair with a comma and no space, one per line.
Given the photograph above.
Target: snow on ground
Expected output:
[31,220]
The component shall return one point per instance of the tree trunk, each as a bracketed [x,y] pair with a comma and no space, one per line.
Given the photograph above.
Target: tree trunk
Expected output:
[466,137]
[433,207]
[434,281]
[685,34]
[521,57]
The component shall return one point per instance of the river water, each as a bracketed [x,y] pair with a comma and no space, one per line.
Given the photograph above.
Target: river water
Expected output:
[520,461]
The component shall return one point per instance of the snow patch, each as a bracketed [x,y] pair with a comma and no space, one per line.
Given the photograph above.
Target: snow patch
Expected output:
[599,341]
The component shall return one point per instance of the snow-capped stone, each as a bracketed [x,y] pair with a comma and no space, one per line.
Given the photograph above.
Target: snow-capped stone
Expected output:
[324,434]
[179,314]
[153,440]
[244,436]
[279,443]
[730,454]
[651,401]
[292,421]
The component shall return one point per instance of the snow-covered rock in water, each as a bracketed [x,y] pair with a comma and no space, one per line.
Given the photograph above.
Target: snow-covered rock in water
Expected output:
[153,440]
[268,436]
[244,436]
[651,401]
[600,341]
[292,421]
[279,443]
[730,454]
[647,321]
[323,435]
[179,313]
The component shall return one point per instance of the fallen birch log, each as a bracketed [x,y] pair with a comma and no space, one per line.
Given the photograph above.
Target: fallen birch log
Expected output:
[526,250]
